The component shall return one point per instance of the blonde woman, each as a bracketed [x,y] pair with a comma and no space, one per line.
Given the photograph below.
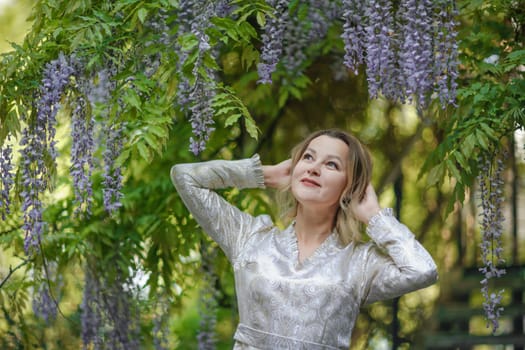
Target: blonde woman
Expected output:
[302,287]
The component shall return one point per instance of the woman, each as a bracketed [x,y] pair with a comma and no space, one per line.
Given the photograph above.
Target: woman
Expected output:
[302,287]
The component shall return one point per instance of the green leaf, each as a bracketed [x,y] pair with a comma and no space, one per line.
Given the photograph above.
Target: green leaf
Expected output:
[144,152]
[451,167]
[251,127]
[436,174]
[261,19]
[482,140]
[232,119]
[142,14]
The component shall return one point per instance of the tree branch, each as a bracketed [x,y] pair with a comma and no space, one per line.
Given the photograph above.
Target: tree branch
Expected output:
[12,270]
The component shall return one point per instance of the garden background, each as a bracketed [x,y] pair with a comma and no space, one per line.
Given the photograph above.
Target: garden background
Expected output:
[98,99]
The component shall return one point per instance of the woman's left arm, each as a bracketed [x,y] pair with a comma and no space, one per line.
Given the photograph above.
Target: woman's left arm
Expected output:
[401,264]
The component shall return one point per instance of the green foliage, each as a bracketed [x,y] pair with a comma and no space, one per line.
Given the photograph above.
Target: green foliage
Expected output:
[490,102]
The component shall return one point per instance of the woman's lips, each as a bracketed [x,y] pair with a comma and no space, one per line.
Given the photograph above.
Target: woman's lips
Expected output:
[310,182]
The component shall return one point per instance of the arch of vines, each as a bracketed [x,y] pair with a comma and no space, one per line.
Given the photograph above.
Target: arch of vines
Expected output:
[117,76]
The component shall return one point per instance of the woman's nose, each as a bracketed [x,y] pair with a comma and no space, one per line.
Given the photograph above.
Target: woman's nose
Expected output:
[314,169]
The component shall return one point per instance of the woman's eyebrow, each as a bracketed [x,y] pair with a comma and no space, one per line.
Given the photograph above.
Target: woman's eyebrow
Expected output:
[335,157]
[331,156]
[310,150]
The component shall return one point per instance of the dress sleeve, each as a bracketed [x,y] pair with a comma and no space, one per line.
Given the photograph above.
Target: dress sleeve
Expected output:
[397,264]
[226,224]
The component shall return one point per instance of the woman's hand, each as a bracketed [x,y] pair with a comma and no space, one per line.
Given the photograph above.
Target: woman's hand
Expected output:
[367,207]
[278,175]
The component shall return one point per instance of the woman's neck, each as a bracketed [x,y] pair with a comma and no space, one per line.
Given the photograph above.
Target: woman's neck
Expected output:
[313,225]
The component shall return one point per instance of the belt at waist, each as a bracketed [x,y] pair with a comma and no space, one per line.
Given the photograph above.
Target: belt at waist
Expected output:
[272,341]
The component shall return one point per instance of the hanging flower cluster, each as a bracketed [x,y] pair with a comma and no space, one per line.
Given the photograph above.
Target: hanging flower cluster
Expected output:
[446,57]
[6,178]
[45,304]
[82,148]
[208,300]
[491,192]
[109,317]
[353,34]
[272,40]
[112,173]
[301,32]
[38,145]
[160,324]
[196,95]
[409,52]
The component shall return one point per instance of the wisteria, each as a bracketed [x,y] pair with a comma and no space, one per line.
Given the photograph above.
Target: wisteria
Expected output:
[272,40]
[6,177]
[109,317]
[160,324]
[112,181]
[409,53]
[82,148]
[91,312]
[195,95]
[99,89]
[446,60]
[416,53]
[208,300]
[406,49]
[353,34]
[38,144]
[45,304]
[492,197]
[302,32]
[161,29]
[380,47]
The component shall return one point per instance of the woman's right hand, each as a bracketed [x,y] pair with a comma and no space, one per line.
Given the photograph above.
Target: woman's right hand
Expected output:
[278,175]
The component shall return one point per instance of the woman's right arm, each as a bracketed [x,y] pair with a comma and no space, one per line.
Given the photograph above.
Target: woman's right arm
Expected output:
[225,223]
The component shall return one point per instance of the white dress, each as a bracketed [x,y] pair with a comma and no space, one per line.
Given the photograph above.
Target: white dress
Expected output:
[285,304]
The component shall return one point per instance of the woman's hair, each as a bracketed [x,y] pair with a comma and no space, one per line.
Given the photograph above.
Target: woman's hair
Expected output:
[359,172]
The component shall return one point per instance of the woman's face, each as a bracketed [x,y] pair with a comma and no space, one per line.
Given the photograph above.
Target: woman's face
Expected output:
[320,175]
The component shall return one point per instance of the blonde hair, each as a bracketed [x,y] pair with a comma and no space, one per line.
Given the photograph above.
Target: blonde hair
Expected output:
[359,173]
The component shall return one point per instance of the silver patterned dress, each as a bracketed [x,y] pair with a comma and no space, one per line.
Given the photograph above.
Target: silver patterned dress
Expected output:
[284,303]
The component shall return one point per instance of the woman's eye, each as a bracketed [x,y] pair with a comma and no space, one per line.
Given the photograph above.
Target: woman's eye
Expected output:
[332,165]
[307,156]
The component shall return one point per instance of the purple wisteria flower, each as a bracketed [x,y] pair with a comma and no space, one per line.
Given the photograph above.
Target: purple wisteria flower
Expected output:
[45,303]
[91,313]
[160,323]
[380,54]
[272,40]
[38,143]
[207,336]
[112,175]
[195,96]
[44,306]
[6,177]
[491,186]
[416,52]
[354,34]
[408,53]
[201,116]
[82,148]
[306,25]
[446,59]
[56,77]
[109,317]
[100,88]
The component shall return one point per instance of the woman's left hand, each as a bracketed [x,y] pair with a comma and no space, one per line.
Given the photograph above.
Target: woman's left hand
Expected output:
[367,207]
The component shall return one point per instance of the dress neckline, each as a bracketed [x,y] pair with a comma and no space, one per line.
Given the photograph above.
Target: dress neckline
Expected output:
[321,250]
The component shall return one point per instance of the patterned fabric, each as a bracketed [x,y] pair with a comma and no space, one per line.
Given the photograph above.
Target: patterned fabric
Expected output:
[284,303]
